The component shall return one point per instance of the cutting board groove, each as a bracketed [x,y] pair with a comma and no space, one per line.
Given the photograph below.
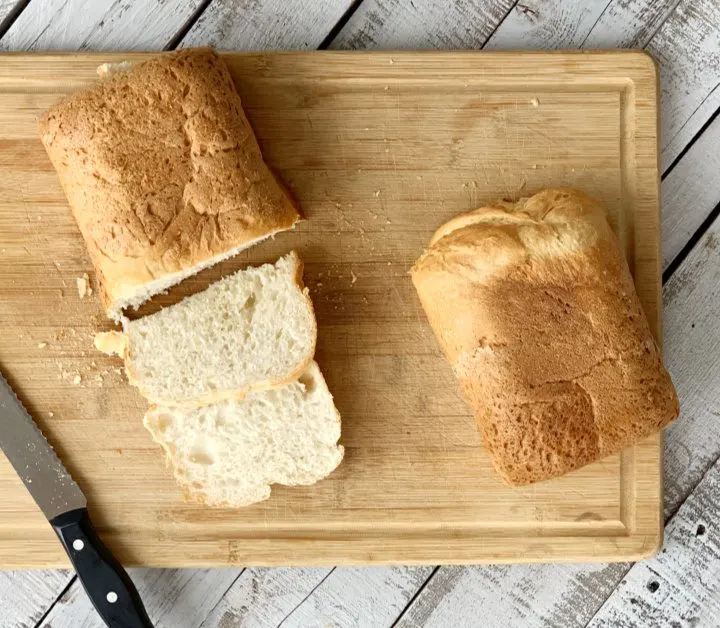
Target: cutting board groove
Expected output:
[380,149]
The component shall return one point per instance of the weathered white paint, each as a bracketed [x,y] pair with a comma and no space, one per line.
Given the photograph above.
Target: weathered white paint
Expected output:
[692,352]
[6,6]
[97,25]
[305,598]
[359,597]
[24,595]
[172,597]
[679,587]
[687,47]
[689,192]
[548,24]
[513,595]
[416,24]
[629,24]
[265,597]
[266,25]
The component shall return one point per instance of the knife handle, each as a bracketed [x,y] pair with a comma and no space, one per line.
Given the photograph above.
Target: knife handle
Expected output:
[107,584]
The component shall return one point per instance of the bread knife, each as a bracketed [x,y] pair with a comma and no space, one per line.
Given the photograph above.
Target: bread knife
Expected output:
[107,584]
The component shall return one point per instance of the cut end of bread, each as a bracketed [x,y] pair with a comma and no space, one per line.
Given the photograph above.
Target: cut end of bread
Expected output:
[134,295]
[230,453]
[252,330]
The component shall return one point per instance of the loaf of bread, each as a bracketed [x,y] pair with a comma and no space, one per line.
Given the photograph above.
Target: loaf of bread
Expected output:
[228,454]
[534,306]
[163,174]
[252,330]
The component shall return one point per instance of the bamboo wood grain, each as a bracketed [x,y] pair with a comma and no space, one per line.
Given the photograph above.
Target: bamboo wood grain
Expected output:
[389,147]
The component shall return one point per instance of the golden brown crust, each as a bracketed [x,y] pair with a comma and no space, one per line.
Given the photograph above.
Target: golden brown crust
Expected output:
[162,171]
[535,308]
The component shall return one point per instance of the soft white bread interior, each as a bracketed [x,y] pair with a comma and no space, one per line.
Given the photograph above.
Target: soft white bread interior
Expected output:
[252,330]
[228,454]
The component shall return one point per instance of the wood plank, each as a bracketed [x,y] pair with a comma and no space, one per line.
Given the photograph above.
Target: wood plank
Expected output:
[7,7]
[304,597]
[629,24]
[399,24]
[97,25]
[548,24]
[679,587]
[172,597]
[687,195]
[692,349]
[24,595]
[265,597]
[513,595]
[269,25]
[687,48]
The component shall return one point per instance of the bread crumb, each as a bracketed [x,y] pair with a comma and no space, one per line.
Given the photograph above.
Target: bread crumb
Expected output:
[354,277]
[77,379]
[387,87]
[111,342]
[534,102]
[42,345]
[377,193]
[93,365]
[83,286]
[51,414]
[534,166]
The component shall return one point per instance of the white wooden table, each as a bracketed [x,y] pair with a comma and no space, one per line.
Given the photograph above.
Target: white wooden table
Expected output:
[678,588]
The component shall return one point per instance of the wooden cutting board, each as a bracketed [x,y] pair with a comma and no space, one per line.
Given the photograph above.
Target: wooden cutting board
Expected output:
[380,149]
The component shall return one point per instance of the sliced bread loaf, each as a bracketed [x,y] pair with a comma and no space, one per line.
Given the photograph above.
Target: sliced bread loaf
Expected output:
[252,330]
[163,173]
[228,454]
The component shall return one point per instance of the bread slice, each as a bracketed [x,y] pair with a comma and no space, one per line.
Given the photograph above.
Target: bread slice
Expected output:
[535,308]
[228,454]
[163,174]
[252,330]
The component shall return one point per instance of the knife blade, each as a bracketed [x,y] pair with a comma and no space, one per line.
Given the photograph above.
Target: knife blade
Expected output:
[107,584]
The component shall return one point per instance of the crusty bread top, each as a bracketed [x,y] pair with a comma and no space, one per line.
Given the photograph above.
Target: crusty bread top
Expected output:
[535,308]
[162,171]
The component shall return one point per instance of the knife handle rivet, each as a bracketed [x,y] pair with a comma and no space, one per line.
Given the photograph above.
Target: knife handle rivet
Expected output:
[111,597]
[78,544]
